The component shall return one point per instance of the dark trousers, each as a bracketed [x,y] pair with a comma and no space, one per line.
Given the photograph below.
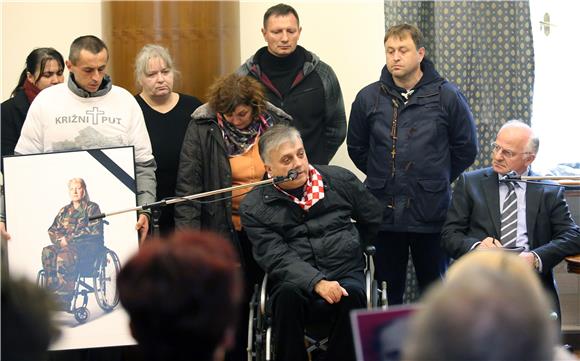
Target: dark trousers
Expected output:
[392,256]
[292,308]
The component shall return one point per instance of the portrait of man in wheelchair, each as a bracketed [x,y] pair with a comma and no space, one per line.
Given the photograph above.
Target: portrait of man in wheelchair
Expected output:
[78,256]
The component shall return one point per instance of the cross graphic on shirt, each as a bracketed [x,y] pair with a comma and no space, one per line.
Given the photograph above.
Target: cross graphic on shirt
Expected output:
[95,113]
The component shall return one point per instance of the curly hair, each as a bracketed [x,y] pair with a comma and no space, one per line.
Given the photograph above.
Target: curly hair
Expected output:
[226,93]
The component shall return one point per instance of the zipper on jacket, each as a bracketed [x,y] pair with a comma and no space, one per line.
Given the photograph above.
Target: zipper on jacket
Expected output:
[394,135]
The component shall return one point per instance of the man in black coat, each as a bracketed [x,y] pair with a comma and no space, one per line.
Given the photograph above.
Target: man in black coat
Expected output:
[300,83]
[303,236]
[544,230]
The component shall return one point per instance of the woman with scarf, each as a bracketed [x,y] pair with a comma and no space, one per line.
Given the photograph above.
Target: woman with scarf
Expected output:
[44,67]
[220,150]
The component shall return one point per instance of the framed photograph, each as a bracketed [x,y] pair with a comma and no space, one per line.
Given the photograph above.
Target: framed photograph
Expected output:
[379,334]
[62,240]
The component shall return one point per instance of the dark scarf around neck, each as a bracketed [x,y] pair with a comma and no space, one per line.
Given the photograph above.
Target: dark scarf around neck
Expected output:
[238,141]
[30,90]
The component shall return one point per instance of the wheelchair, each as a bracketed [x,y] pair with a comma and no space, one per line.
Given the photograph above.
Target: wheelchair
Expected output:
[260,336]
[96,274]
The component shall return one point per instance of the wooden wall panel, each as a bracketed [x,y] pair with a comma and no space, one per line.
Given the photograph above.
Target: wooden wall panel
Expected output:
[202,36]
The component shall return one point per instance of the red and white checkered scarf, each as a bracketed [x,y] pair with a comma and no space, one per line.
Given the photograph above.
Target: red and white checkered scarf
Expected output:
[313,192]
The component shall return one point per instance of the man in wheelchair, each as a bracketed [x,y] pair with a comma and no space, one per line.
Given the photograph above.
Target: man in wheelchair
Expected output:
[303,236]
[74,239]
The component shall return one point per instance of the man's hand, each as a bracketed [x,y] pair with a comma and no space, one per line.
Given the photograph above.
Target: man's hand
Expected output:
[142,227]
[489,243]
[529,257]
[331,291]
[5,235]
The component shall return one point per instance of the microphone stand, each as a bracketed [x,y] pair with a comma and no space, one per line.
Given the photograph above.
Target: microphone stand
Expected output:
[163,203]
[564,181]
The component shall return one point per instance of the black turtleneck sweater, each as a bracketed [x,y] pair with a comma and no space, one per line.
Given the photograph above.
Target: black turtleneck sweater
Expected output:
[282,71]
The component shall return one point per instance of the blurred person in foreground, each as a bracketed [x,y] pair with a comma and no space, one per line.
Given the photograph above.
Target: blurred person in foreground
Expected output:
[28,327]
[182,294]
[490,307]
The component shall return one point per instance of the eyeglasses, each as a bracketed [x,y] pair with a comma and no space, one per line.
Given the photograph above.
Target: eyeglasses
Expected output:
[505,152]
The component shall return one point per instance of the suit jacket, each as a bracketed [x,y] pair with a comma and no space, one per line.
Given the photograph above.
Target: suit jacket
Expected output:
[475,214]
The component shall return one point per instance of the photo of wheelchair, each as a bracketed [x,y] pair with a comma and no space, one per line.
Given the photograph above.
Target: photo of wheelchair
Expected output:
[96,273]
[260,335]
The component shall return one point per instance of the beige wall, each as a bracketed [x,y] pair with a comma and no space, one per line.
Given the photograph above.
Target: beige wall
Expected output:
[345,34]
[28,25]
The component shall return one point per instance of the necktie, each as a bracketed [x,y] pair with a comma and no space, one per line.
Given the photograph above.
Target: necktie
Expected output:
[509,218]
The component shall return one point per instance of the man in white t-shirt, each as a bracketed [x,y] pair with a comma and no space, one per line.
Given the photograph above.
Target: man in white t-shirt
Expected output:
[89,112]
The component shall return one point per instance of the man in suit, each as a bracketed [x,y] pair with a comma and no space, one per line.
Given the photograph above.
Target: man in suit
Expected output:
[542,225]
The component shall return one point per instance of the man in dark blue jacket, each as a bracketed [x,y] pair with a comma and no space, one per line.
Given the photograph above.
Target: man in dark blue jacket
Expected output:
[412,133]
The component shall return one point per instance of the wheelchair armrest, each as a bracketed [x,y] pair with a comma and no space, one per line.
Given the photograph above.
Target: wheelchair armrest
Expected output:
[263,295]
[370,250]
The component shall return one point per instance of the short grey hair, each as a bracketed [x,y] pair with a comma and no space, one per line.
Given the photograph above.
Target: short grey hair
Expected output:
[151,51]
[534,143]
[274,137]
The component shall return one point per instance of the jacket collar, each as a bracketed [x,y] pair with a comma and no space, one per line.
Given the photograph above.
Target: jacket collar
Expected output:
[430,75]
[310,63]
[490,187]
[105,87]
[534,193]
[271,194]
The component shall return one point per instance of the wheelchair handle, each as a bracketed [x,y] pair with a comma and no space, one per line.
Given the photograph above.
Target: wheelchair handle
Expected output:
[370,250]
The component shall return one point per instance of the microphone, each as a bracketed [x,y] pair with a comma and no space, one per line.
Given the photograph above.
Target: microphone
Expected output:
[564,181]
[292,174]
[97,216]
[510,176]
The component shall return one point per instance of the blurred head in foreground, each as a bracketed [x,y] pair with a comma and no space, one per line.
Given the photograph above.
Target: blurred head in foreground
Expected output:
[490,307]
[182,294]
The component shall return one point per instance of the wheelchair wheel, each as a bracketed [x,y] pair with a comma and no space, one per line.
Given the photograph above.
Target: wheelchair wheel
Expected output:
[255,347]
[105,281]
[81,314]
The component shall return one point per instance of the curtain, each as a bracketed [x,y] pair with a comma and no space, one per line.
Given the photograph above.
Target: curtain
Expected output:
[486,49]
